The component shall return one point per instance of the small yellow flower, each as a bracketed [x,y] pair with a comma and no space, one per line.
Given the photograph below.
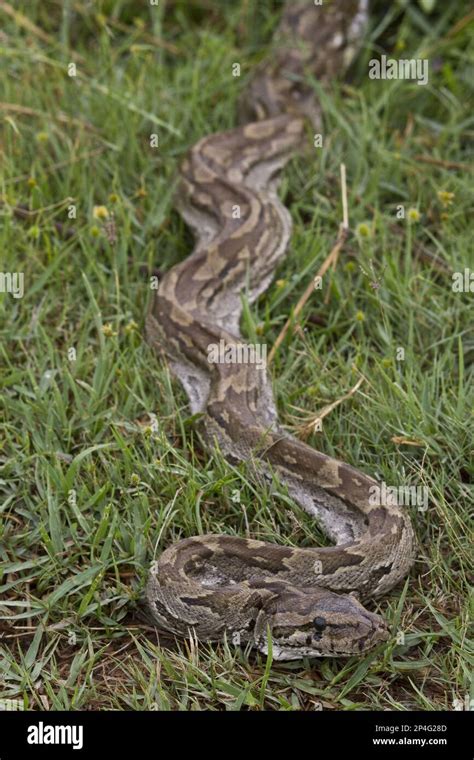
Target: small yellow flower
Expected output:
[31,182]
[108,330]
[360,316]
[350,267]
[101,19]
[42,137]
[280,283]
[95,231]
[113,198]
[141,193]
[387,362]
[446,198]
[363,230]
[414,215]
[131,326]
[400,45]
[134,479]
[259,330]
[34,232]
[100,212]
[138,22]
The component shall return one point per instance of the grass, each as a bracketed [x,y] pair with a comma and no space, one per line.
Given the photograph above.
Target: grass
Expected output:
[101,464]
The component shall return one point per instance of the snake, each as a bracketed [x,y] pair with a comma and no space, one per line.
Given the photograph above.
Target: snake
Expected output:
[290,602]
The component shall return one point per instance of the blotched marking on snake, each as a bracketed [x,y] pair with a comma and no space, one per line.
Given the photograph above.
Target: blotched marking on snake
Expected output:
[222,586]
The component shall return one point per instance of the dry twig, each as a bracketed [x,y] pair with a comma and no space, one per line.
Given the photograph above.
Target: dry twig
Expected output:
[331,260]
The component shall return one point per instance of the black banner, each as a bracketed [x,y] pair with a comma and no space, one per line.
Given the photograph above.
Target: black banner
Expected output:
[133,734]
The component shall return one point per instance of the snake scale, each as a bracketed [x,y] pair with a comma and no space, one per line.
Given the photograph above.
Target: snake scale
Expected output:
[220,587]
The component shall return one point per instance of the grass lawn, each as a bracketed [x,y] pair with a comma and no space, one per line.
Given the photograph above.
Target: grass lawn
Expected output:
[101,466]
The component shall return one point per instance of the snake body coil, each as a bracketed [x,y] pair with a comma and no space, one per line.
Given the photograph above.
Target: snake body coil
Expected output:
[214,585]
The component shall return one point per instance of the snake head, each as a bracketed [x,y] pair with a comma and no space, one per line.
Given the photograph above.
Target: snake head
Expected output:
[317,623]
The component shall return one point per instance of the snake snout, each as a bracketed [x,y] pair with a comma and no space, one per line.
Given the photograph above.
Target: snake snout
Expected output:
[351,629]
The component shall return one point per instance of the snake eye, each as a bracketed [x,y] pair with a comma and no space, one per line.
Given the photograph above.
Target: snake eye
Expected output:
[320,624]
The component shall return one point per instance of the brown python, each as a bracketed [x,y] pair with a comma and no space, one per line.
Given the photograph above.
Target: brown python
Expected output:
[218,586]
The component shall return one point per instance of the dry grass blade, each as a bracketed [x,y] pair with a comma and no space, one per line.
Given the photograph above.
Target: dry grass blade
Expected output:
[315,423]
[331,260]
